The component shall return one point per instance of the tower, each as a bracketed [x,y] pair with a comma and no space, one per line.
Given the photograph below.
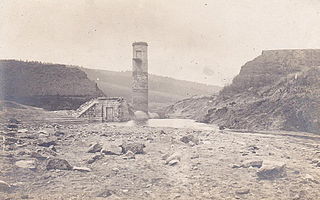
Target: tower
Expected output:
[140,77]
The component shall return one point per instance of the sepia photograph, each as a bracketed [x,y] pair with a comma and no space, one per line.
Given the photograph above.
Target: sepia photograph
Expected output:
[160,99]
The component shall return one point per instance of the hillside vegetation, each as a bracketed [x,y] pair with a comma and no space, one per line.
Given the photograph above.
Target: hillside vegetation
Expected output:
[163,91]
[49,86]
[58,87]
[277,90]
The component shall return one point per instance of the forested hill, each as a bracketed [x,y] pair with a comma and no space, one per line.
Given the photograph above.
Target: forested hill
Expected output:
[163,91]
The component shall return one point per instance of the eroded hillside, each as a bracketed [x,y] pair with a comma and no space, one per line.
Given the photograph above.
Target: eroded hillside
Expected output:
[277,90]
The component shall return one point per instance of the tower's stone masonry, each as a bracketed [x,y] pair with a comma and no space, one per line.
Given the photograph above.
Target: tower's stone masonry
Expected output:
[140,76]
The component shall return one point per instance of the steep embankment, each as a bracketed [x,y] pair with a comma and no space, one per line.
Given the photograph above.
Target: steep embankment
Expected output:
[163,91]
[277,90]
[49,86]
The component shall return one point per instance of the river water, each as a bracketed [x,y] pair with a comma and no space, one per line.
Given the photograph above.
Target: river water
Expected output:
[172,123]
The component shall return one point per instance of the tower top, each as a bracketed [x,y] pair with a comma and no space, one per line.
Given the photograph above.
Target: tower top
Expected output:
[140,43]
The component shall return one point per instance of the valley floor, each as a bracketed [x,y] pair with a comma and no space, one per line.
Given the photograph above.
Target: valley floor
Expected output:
[212,169]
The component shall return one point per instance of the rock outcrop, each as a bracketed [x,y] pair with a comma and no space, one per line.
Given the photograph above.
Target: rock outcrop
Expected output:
[49,86]
[277,90]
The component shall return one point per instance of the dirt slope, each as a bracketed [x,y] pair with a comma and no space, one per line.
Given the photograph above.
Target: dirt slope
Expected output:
[278,90]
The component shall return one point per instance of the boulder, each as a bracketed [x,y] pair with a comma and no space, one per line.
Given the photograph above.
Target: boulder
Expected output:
[272,170]
[253,148]
[111,150]
[174,156]
[46,143]
[29,164]
[243,191]
[140,115]
[189,139]
[252,163]
[4,186]
[95,148]
[57,163]
[129,155]
[59,134]
[95,158]
[22,130]
[10,140]
[153,115]
[13,121]
[37,155]
[136,148]
[173,162]
[12,126]
[105,194]
[82,169]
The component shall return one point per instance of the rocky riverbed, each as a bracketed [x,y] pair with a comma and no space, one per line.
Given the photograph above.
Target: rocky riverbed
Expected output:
[100,161]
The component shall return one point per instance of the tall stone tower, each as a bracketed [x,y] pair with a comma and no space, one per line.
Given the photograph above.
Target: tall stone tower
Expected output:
[140,77]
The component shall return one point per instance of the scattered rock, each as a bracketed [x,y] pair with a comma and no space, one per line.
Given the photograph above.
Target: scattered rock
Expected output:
[95,148]
[253,148]
[57,163]
[112,150]
[22,130]
[59,134]
[95,158]
[12,126]
[4,186]
[25,196]
[29,164]
[129,155]
[243,191]
[43,131]
[37,156]
[116,170]
[47,143]
[105,194]
[173,162]
[190,138]
[235,166]
[252,163]
[82,169]
[191,143]
[310,178]
[165,156]
[272,170]
[10,140]
[174,156]
[52,148]
[13,121]
[195,156]
[136,148]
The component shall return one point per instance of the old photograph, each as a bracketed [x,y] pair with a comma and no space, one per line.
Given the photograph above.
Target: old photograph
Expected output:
[160,99]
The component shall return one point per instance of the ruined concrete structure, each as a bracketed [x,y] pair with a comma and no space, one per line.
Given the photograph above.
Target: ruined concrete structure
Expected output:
[140,77]
[116,109]
[105,109]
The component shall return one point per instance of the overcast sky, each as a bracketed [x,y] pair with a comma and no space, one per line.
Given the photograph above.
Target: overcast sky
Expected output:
[204,41]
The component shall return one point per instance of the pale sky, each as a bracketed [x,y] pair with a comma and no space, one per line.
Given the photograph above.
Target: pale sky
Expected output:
[205,41]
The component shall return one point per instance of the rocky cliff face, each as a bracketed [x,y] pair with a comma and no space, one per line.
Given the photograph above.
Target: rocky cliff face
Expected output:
[50,86]
[277,90]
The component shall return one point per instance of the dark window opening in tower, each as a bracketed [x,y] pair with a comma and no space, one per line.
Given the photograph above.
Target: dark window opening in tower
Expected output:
[138,54]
